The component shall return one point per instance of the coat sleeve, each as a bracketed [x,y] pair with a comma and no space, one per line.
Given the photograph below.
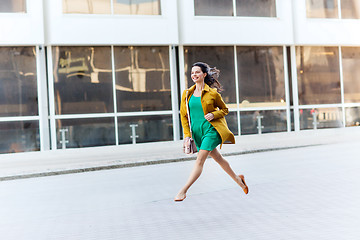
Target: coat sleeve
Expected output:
[184,117]
[222,108]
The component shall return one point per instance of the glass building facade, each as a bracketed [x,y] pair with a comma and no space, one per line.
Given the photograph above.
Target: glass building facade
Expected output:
[70,93]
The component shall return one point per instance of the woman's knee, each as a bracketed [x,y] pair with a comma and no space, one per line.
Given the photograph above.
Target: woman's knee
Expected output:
[202,156]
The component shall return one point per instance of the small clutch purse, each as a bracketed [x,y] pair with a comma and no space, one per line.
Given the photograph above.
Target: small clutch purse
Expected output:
[190,147]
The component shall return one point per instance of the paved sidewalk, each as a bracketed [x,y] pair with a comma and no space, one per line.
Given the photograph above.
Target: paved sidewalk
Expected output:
[307,193]
[35,164]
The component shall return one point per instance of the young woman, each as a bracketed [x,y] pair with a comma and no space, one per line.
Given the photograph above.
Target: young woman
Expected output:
[209,129]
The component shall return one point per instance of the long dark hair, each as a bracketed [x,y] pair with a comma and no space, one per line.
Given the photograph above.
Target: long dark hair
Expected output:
[212,75]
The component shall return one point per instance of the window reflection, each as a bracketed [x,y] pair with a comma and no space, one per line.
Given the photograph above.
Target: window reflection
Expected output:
[19,136]
[261,76]
[352,116]
[350,9]
[213,8]
[148,129]
[220,57]
[87,132]
[322,8]
[232,122]
[139,7]
[142,78]
[12,6]
[82,80]
[272,121]
[318,75]
[320,118]
[351,73]
[256,8]
[87,6]
[18,81]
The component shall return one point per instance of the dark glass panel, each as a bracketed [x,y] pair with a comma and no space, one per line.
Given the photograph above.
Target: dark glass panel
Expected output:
[318,75]
[148,128]
[271,121]
[320,118]
[256,8]
[18,81]
[19,136]
[87,132]
[213,8]
[142,78]
[261,76]
[83,80]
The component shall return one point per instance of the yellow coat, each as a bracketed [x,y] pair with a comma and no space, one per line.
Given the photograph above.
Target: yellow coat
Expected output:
[211,102]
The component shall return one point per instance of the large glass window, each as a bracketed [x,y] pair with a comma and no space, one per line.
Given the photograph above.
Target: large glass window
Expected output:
[254,122]
[322,8]
[142,78]
[261,76]
[87,132]
[350,9]
[12,6]
[320,118]
[220,57]
[87,6]
[82,80]
[318,75]
[19,136]
[138,7]
[213,8]
[351,73]
[146,128]
[18,82]
[256,8]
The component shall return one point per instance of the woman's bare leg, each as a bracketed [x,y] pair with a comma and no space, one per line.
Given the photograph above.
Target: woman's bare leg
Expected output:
[216,155]
[195,173]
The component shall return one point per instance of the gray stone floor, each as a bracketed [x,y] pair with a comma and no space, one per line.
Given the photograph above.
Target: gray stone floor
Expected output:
[301,193]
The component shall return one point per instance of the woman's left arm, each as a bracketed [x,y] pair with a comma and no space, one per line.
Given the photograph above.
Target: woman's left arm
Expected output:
[222,108]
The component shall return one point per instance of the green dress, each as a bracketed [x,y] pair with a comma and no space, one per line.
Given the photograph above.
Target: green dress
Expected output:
[204,134]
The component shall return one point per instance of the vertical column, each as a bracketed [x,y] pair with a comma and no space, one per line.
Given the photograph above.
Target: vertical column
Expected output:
[181,68]
[42,98]
[174,93]
[114,94]
[237,89]
[342,88]
[234,8]
[287,93]
[112,7]
[339,8]
[295,88]
[50,77]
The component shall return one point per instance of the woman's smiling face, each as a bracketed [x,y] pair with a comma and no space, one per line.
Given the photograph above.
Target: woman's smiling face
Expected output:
[197,75]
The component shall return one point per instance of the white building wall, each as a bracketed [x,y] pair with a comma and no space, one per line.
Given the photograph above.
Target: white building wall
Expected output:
[106,29]
[23,28]
[204,30]
[321,31]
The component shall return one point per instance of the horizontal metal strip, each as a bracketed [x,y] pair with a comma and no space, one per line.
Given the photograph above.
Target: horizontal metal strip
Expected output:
[16,119]
[320,106]
[107,115]
[262,108]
